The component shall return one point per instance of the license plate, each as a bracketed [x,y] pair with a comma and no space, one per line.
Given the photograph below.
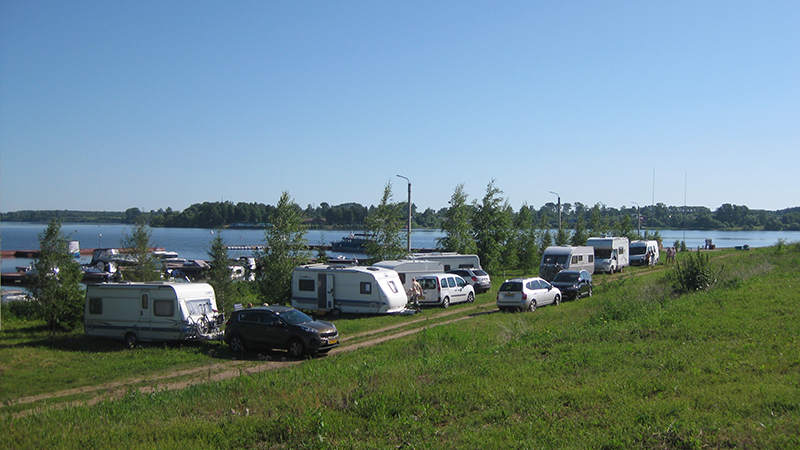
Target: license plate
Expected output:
[420,297]
[509,295]
[333,341]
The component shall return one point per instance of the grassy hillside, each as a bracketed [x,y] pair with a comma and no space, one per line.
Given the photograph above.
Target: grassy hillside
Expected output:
[635,366]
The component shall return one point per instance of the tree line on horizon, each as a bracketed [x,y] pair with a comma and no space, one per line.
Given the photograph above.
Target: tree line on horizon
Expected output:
[353,216]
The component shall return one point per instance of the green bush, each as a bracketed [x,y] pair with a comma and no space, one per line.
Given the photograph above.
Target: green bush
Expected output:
[692,273]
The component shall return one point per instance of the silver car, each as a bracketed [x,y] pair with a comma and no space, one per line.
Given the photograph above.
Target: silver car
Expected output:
[523,294]
[478,278]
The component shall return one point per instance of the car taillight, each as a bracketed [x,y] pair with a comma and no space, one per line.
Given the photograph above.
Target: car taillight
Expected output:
[524,296]
[474,279]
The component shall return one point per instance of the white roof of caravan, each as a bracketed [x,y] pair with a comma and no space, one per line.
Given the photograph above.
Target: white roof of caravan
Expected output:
[343,268]
[392,264]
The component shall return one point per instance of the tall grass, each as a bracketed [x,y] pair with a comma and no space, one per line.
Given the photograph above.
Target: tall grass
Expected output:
[635,366]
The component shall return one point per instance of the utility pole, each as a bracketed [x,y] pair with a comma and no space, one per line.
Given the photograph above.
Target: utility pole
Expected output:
[559,208]
[638,221]
[408,234]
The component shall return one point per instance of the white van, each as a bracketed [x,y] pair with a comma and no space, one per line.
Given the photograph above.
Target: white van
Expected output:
[408,269]
[563,257]
[639,251]
[610,253]
[347,289]
[444,289]
[155,311]
[451,260]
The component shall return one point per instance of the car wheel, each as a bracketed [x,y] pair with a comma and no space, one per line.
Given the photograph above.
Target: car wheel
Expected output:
[532,306]
[131,340]
[470,297]
[557,300]
[237,344]
[296,348]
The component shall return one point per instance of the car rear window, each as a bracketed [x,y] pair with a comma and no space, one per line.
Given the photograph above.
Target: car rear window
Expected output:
[480,273]
[566,277]
[511,286]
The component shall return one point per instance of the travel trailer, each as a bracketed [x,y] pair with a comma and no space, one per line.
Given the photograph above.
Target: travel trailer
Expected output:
[347,289]
[610,253]
[556,259]
[639,251]
[408,269]
[450,260]
[154,311]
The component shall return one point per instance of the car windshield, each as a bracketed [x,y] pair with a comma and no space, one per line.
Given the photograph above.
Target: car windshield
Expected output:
[568,277]
[638,250]
[511,286]
[294,316]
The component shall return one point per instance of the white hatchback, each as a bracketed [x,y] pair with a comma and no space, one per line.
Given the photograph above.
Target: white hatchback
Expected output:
[527,294]
[444,289]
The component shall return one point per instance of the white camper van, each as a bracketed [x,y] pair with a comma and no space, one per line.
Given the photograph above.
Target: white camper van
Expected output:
[155,311]
[610,253]
[451,260]
[639,251]
[408,269]
[347,289]
[556,259]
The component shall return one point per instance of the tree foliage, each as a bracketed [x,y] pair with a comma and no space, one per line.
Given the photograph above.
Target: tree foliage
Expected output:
[492,223]
[219,274]
[55,287]
[457,225]
[383,225]
[138,244]
[286,248]
[528,254]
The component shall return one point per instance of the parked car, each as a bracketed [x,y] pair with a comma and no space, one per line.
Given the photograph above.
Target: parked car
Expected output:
[574,284]
[527,294]
[444,289]
[279,327]
[478,278]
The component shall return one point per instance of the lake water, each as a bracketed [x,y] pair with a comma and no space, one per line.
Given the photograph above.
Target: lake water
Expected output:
[193,243]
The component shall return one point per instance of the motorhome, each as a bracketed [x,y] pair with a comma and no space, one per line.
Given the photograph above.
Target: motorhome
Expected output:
[153,311]
[558,258]
[640,250]
[408,269]
[450,260]
[347,289]
[610,253]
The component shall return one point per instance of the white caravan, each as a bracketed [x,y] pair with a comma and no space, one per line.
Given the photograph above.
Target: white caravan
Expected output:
[450,260]
[610,253]
[566,257]
[155,311]
[639,251]
[408,269]
[347,289]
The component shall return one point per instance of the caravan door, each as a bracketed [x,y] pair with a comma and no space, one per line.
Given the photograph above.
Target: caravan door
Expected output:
[325,291]
[145,320]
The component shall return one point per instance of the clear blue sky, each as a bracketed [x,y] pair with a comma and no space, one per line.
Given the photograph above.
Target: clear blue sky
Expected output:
[154,104]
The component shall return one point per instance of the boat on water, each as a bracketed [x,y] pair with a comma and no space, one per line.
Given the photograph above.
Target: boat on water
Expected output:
[355,242]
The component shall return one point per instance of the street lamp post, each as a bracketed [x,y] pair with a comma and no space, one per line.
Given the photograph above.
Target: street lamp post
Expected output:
[408,234]
[638,221]
[559,208]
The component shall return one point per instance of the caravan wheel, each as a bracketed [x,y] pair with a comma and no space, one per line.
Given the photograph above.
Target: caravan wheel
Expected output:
[131,339]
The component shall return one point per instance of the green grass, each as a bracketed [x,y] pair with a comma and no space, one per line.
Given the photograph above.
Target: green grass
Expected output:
[635,366]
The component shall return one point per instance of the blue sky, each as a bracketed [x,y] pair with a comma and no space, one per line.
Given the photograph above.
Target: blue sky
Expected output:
[154,104]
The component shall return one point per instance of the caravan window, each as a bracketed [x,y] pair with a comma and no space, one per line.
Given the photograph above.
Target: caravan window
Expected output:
[163,308]
[95,306]
[392,286]
[366,287]
[306,285]
[591,258]
[197,306]
[145,301]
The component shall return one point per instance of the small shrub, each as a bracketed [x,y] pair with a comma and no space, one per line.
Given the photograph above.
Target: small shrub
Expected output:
[693,273]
